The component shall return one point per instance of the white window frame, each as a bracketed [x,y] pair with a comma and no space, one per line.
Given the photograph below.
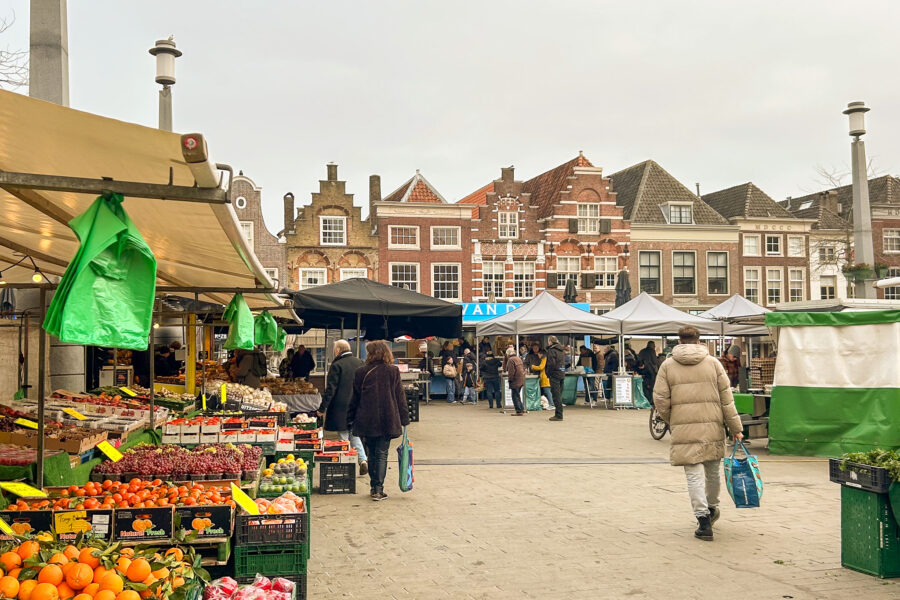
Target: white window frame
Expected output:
[526,278]
[512,224]
[245,227]
[681,206]
[459,282]
[489,281]
[827,260]
[893,292]
[792,282]
[589,222]
[393,246]
[658,266]
[319,270]
[755,279]
[564,275]
[891,237]
[241,202]
[606,278]
[802,251]
[394,282]
[674,252]
[780,286]
[271,273]
[778,237]
[727,268]
[753,237]
[832,280]
[346,270]
[456,246]
[343,221]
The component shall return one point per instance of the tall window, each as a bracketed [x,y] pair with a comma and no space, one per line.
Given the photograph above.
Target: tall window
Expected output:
[333,231]
[649,272]
[310,278]
[508,224]
[607,268]
[684,272]
[826,255]
[717,272]
[567,267]
[795,246]
[773,245]
[751,245]
[588,218]
[247,230]
[444,238]
[892,293]
[493,273]
[523,279]
[773,286]
[354,273]
[751,285]
[445,281]
[403,236]
[405,275]
[891,239]
[796,279]
[827,287]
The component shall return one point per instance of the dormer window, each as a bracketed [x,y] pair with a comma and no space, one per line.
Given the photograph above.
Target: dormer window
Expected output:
[678,214]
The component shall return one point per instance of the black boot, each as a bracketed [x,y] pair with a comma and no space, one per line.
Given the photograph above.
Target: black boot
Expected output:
[704,531]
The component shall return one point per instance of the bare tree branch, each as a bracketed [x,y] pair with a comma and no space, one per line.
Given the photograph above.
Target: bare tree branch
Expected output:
[13,63]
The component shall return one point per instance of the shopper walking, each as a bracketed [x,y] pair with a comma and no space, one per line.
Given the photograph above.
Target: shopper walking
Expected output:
[449,371]
[490,372]
[693,395]
[556,358]
[539,366]
[378,411]
[649,366]
[336,399]
[469,383]
[515,374]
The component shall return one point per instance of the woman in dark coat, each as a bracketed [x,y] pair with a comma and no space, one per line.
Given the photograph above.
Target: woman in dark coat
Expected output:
[378,411]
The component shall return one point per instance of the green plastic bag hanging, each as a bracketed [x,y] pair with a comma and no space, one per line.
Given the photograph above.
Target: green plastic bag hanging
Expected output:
[105,297]
[240,324]
[265,329]
[282,338]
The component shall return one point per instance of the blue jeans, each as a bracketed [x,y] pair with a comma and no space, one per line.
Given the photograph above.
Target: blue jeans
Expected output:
[492,392]
[469,392]
[355,443]
[546,393]
[451,389]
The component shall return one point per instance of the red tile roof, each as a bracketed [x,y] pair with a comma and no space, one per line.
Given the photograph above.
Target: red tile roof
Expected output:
[478,198]
[416,190]
[545,188]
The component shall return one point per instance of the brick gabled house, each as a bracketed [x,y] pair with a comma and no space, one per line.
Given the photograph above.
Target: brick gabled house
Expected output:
[536,234]
[774,245]
[267,247]
[682,251]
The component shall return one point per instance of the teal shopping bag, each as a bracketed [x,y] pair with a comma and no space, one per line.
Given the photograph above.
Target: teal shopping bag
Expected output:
[405,456]
[742,478]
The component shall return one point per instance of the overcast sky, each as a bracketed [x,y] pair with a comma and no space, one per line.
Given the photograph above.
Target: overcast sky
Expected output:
[717,92]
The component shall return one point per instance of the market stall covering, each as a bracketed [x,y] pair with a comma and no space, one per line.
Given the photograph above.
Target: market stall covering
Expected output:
[544,314]
[730,314]
[837,382]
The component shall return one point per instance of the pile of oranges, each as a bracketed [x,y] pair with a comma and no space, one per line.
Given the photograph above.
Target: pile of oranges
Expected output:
[49,570]
[137,493]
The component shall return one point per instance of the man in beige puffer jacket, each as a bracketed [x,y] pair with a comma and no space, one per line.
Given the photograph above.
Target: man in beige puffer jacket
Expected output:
[693,395]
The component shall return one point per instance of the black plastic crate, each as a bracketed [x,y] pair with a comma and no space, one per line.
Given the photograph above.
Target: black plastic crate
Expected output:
[337,478]
[255,530]
[299,582]
[413,403]
[863,477]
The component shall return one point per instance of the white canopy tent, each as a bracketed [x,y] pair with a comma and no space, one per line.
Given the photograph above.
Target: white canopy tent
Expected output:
[736,308]
[544,314]
[646,315]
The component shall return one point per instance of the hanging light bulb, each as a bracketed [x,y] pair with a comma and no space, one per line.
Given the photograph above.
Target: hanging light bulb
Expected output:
[37,277]
[156,326]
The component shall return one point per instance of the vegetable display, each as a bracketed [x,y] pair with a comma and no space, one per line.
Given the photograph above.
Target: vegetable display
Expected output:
[175,463]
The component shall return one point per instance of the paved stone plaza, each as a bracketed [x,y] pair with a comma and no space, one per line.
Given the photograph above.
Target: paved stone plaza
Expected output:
[589,508]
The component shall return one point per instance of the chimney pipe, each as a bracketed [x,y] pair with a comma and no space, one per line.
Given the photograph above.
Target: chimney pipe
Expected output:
[829,201]
[289,212]
[332,172]
[507,174]
[698,189]
[374,194]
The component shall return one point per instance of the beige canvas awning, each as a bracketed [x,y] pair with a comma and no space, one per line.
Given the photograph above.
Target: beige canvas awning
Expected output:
[196,244]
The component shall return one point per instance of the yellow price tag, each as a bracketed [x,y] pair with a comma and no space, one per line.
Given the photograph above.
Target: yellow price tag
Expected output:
[23,490]
[203,397]
[107,449]
[74,413]
[243,500]
[26,423]
[71,522]
[128,391]
[5,528]
[222,394]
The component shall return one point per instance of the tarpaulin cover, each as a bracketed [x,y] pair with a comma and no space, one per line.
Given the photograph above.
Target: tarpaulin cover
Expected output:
[737,307]
[837,384]
[646,315]
[240,324]
[265,330]
[385,311]
[105,297]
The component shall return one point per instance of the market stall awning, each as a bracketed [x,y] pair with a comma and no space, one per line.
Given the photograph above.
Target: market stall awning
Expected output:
[545,314]
[196,244]
[384,311]
[729,312]
[645,315]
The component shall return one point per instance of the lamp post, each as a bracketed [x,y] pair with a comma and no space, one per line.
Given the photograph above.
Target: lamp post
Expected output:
[165,53]
[863,250]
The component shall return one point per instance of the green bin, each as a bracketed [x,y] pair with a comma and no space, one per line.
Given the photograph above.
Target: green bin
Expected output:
[870,536]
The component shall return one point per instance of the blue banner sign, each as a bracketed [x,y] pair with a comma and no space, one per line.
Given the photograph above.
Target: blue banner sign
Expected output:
[482,311]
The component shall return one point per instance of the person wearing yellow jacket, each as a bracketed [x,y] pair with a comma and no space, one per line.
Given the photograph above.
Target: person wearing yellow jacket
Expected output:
[541,369]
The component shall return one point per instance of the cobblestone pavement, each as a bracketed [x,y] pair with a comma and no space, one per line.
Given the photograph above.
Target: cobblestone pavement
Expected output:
[587,508]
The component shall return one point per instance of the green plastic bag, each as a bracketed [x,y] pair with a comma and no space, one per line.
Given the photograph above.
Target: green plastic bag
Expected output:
[240,324]
[282,338]
[265,329]
[105,297]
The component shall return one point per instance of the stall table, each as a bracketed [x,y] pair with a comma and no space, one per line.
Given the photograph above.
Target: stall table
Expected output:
[300,403]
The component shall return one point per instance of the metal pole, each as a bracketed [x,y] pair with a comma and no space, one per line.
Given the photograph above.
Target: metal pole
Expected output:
[165,108]
[202,338]
[27,316]
[863,250]
[115,367]
[152,365]
[358,332]
[42,371]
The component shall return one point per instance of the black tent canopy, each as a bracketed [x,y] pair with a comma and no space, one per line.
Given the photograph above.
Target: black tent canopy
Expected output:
[383,311]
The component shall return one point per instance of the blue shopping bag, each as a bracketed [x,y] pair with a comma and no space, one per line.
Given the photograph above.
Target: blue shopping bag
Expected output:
[742,478]
[405,457]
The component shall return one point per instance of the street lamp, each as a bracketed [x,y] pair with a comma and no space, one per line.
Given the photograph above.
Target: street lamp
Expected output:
[165,53]
[863,250]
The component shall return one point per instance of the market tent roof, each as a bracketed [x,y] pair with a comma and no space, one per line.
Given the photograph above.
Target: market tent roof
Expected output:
[385,311]
[645,314]
[735,308]
[196,244]
[544,314]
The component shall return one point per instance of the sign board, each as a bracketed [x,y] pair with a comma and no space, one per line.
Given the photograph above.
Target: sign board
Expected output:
[71,521]
[21,489]
[243,500]
[473,312]
[26,423]
[622,391]
[74,413]
[107,449]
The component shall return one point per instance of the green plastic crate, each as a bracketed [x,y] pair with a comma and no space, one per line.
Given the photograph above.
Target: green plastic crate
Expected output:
[274,560]
[870,536]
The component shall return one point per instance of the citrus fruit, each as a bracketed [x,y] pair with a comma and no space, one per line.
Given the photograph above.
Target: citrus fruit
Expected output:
[99,572]
[122,565]
[105,595]
[138,570]
[91,590]
[65,592]
[45,591]
[71,552]
[28,549]
[111,582]
[51,574]
[79,576]
[10,560]
[176,553]
[9,587]
[87,557]
[58,559]
[128,595]
[25,589]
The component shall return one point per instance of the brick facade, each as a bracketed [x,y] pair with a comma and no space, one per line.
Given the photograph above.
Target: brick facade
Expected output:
[248,206]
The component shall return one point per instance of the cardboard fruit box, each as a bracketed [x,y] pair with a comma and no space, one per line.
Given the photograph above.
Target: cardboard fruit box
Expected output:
[26,522]
[207,521]
[69,523]
[143,524]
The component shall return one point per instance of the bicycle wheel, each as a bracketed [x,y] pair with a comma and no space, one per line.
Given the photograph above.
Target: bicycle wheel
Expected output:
[658,427]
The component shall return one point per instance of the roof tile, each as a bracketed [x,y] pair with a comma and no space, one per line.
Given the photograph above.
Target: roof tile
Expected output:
[745,200]
[546,187]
